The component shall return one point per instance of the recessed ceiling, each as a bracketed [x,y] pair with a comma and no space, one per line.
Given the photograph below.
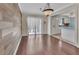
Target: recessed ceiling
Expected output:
[34,8]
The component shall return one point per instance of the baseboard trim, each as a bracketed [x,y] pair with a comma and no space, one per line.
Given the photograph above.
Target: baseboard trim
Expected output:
[17,46]
[74,44]
[77,46]
[36,34]
[24,34]
[32,34]
[71,43]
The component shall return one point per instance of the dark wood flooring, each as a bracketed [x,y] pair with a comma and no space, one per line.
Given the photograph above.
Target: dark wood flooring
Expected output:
[45,45]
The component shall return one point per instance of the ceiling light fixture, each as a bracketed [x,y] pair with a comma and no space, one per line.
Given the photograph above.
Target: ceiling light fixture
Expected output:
[47,10]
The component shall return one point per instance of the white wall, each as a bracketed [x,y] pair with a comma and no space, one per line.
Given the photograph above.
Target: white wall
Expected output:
[49,25]
[55,25]
[44,25]
[78,25]
[24,25]
[70,34]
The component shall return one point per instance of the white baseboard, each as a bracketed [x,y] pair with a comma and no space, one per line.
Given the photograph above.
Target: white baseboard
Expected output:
[77,46]
[24,34]
[17,46]
[74,44]
[34,34]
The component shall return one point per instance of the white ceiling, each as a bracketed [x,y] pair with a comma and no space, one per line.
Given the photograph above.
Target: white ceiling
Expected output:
[34,8]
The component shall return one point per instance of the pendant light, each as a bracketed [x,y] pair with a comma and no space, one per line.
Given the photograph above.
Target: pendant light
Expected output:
[47,10]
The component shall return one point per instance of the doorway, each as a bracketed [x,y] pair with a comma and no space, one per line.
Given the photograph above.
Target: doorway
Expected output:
[34,25]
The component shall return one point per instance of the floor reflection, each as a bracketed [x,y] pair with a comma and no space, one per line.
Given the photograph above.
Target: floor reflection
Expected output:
[34,44]
[45,44]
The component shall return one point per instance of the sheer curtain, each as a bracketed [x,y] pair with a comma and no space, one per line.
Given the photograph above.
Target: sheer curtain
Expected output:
[34,25]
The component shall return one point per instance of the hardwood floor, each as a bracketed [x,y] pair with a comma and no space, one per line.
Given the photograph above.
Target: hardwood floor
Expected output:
[45,45]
